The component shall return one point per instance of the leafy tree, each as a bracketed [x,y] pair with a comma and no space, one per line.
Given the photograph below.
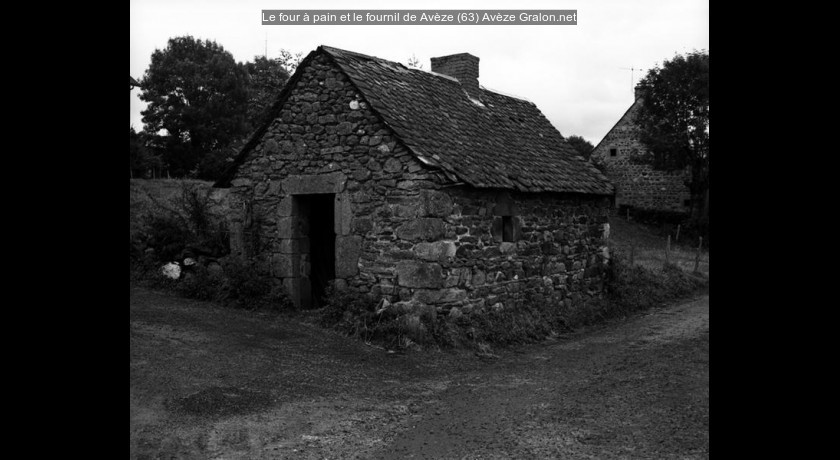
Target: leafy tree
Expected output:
[142,159]
[198,101]
[583,146]
[289,61]
[674,122]
[266,80]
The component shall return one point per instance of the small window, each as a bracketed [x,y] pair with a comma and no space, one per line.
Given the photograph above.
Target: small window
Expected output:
[613,152]
[507,229]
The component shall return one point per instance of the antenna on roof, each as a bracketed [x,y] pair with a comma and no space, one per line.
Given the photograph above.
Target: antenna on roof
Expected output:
[632,79]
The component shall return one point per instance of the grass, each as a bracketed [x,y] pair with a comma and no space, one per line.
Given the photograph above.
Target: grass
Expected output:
[649,245]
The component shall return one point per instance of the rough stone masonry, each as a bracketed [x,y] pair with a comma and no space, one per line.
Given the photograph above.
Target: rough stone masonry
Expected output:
[639,185]
[404,230]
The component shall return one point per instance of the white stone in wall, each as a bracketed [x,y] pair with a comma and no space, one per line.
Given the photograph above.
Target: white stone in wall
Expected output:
[171,270]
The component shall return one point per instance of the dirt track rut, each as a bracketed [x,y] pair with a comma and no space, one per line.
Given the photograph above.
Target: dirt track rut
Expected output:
[632,389]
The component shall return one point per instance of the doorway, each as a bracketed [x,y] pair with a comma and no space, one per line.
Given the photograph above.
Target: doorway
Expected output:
[317,213]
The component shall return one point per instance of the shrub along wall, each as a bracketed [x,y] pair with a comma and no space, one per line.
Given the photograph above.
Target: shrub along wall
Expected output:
[168,215]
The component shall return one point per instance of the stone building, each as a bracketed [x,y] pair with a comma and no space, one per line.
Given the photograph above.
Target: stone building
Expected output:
[419,187]
[639,185]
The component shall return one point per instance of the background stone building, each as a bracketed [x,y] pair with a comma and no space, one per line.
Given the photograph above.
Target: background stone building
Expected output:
[639,185]
[420,187]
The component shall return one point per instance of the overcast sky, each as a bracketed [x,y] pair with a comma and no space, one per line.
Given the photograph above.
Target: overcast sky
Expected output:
[575,74]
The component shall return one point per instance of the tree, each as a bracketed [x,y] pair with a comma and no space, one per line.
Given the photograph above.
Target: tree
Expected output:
[581,145]
[142,160]
[289,61]
[266,80]
[198,101]
[673,122]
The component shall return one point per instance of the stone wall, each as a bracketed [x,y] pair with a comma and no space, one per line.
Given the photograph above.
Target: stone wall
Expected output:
[403,231]
[452,254]
[639,185]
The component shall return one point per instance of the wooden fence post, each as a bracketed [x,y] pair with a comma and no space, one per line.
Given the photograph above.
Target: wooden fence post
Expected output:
[668,251]
[697,258]
[677,238]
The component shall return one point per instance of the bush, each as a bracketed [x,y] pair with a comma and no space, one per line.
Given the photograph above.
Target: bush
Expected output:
[245,287]
[440,332]
[186,230]
[168,237]
[200,283]
[195,205]
[340,303]
[528,321]
[632,288]
[356,315]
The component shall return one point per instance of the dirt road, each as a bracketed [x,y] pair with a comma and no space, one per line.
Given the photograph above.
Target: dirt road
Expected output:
[207,382]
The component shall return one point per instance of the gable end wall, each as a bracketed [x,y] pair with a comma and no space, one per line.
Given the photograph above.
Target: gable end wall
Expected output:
[639,185]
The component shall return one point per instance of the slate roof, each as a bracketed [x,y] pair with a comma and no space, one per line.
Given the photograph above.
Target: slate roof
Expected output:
[503,142]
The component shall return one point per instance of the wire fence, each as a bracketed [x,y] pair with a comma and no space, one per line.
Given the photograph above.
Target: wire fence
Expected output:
[690,256]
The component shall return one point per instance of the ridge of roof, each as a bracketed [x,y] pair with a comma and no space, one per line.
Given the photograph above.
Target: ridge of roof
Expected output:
[442,75]
[501,93]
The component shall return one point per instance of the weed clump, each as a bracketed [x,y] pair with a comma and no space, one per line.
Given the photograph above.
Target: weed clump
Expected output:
[355,314]
[632,288]
[392,325]
[244,286]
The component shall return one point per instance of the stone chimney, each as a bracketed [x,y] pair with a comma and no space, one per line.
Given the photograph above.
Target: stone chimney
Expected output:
[639,92]
[463,66]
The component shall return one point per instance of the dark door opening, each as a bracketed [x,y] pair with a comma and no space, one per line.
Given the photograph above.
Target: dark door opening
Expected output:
[319,212]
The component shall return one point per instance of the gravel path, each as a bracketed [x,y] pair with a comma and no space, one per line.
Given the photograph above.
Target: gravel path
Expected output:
[208,382]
